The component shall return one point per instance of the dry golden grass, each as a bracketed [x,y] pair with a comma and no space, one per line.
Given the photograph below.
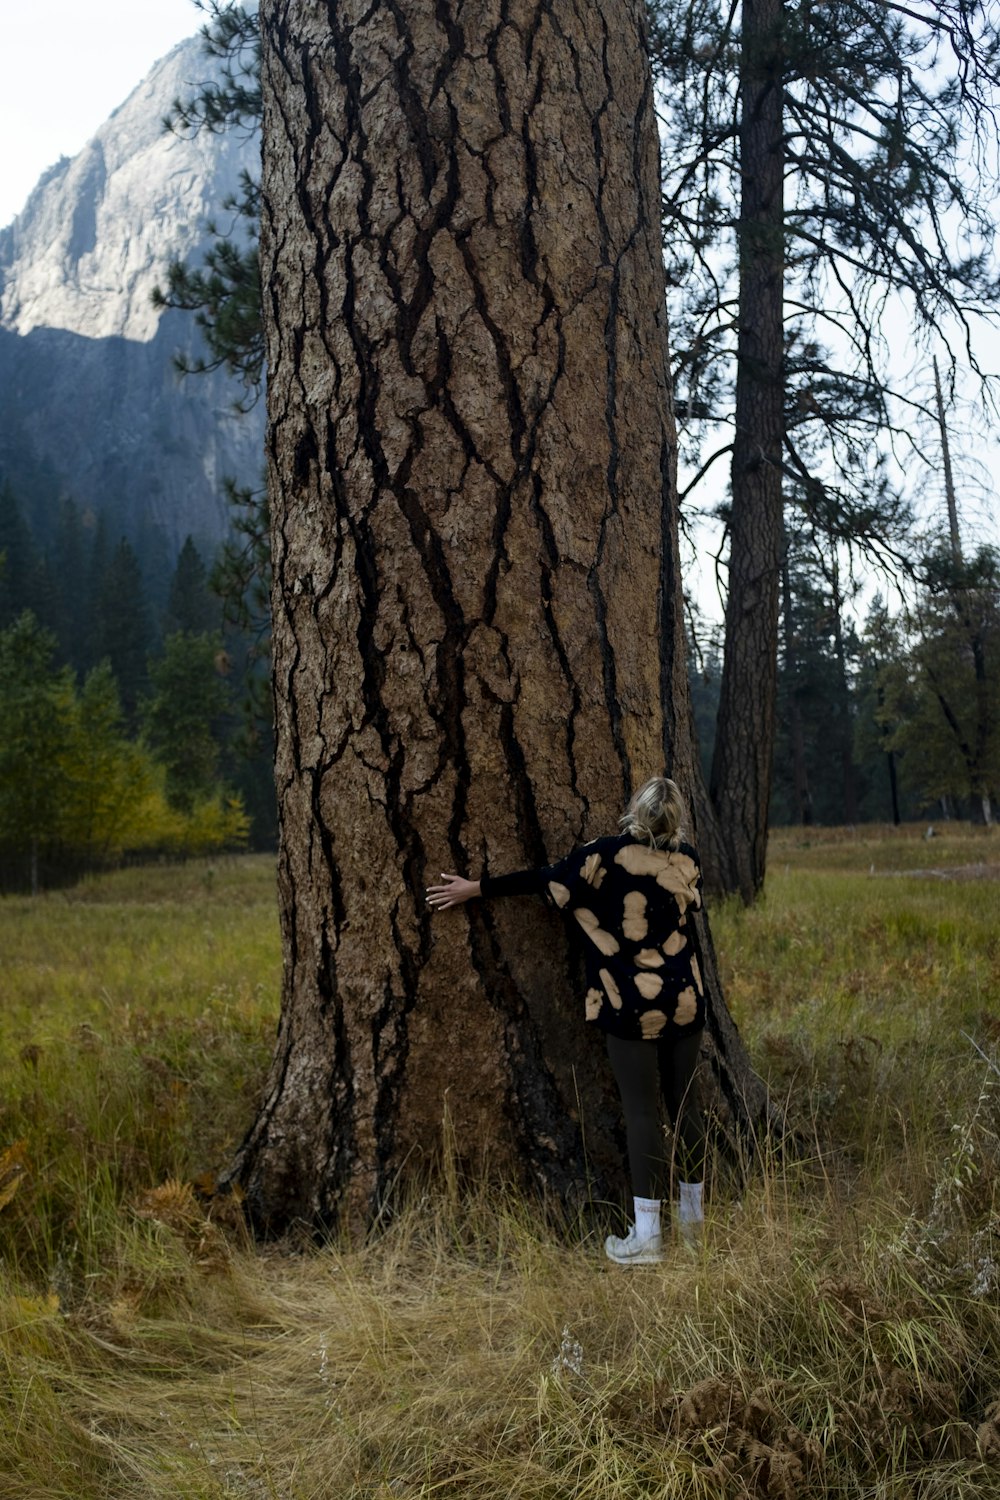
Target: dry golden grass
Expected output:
[470,1351]
[838,1336]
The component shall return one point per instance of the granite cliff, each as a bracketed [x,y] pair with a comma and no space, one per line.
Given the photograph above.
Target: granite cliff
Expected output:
[91,405]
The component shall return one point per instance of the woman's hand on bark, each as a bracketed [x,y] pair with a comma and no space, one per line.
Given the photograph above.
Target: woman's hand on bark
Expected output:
[453,892]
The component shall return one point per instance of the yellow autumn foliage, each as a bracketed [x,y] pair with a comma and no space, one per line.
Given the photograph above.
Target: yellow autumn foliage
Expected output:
[214,824]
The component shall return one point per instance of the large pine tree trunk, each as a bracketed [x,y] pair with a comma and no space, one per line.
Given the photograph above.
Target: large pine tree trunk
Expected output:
[744,744]
[471,459]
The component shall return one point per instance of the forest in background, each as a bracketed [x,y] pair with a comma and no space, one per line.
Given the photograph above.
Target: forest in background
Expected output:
[136,714]
[887,719]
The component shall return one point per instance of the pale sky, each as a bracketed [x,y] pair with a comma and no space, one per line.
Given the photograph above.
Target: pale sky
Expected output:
[64,66]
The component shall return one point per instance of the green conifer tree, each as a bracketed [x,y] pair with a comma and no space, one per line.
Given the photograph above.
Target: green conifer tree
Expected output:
[191,605]
[67,565]
[19,560]
[106,776]
[944,696]
[121,628]
[37,712]
[882,657]
[184,719]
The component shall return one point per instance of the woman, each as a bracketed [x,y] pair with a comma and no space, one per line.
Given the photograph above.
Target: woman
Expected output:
[630,895]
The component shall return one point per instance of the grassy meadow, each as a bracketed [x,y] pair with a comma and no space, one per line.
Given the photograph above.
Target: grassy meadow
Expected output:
[838,1335]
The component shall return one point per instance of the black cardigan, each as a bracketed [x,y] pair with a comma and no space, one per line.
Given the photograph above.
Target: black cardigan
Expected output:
[630,904]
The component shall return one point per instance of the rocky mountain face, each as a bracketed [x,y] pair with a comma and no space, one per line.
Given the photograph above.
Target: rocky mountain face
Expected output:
[91,406]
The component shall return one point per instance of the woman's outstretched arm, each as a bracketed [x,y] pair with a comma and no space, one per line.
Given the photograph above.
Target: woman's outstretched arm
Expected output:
[454,891]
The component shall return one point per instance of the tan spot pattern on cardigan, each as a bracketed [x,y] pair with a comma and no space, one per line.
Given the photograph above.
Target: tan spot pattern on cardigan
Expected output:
[634,924]
[602,940]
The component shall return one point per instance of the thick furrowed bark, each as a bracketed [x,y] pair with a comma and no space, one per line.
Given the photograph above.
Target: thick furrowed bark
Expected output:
[474,541]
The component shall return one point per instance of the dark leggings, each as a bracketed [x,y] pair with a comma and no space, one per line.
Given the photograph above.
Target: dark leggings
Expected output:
[647,1072]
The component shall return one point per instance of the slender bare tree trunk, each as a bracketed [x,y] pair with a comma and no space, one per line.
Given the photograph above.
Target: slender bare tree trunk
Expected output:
[744,744]
[893,787]
[478,641]
[954,534]
[890,755]
[844,702]
[800,778]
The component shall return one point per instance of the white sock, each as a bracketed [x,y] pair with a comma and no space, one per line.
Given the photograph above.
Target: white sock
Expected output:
[690,1210]
[647,1218]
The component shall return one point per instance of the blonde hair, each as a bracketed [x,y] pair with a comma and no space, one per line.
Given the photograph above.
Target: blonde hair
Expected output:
[655,814]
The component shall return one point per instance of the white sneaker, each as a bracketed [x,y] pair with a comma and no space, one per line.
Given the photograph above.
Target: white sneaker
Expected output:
[631,1251]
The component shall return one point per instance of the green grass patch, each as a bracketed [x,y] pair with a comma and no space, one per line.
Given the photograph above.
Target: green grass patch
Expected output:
[879,848]
[139,1013]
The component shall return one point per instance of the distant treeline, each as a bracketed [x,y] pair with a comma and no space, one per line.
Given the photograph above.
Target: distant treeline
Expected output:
[130,708]
[887,720]
[135,705]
